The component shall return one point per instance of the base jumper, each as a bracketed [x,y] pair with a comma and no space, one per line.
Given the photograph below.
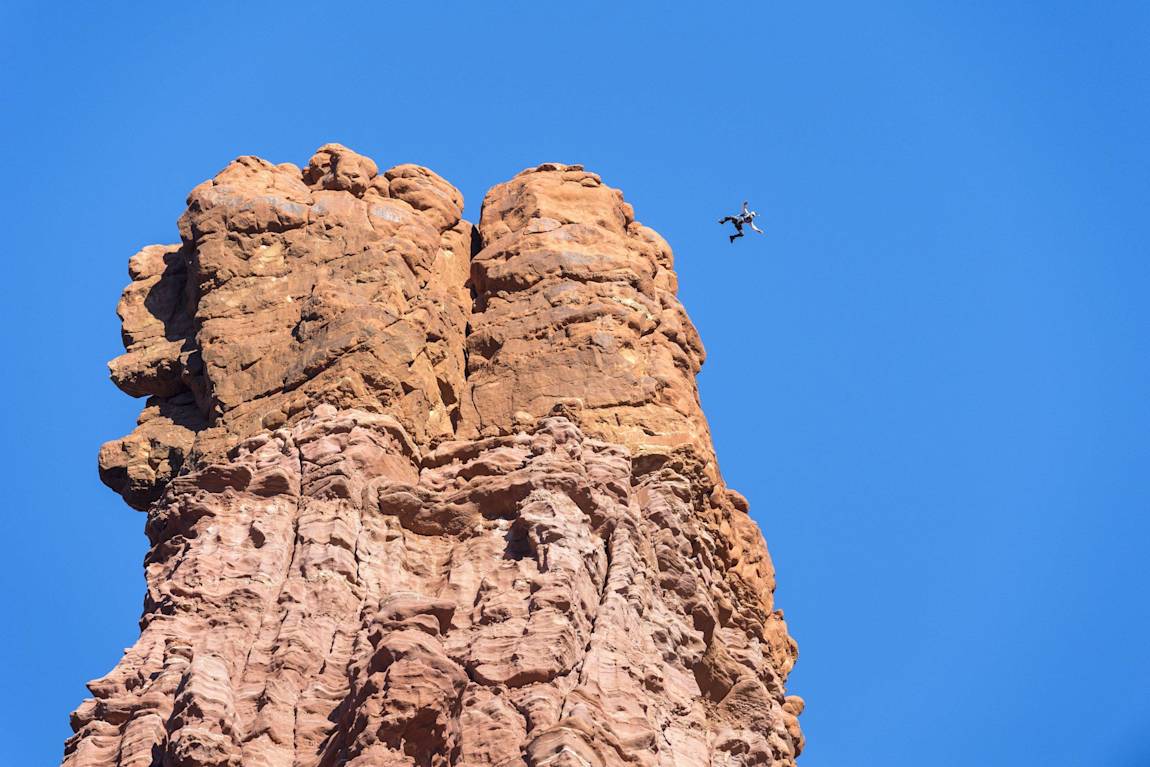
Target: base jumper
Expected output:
[747,217]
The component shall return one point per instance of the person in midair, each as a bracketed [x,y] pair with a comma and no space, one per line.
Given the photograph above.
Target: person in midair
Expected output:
[747,217]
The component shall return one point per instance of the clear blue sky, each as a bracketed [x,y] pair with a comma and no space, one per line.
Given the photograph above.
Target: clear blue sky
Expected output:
[931,378]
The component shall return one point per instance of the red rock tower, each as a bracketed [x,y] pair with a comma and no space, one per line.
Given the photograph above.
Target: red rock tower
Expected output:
[426,494]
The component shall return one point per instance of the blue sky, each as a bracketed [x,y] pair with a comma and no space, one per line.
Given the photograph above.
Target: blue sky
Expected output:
[930,378]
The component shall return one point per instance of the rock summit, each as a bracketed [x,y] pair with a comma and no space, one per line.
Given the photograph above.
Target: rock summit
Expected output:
[424,492]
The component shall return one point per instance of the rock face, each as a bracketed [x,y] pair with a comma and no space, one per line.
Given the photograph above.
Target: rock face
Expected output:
[425,494]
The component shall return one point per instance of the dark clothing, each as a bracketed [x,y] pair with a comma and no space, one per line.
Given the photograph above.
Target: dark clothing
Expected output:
[738,221]
[746,217]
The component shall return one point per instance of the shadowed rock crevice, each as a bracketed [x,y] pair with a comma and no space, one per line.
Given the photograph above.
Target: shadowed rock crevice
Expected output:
[422,493]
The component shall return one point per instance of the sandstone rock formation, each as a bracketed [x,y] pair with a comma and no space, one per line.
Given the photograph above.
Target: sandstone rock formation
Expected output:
[425,494]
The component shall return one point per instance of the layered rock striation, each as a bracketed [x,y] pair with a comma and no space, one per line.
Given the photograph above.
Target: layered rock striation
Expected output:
[422,493]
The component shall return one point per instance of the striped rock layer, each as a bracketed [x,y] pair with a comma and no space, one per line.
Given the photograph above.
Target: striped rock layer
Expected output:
[425,493]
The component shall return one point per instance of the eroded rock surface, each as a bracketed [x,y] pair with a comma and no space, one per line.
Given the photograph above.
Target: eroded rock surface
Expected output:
[334,284]
[576,301]
[408,506]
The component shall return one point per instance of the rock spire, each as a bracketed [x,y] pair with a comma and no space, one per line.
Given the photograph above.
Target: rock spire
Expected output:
[425,493]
